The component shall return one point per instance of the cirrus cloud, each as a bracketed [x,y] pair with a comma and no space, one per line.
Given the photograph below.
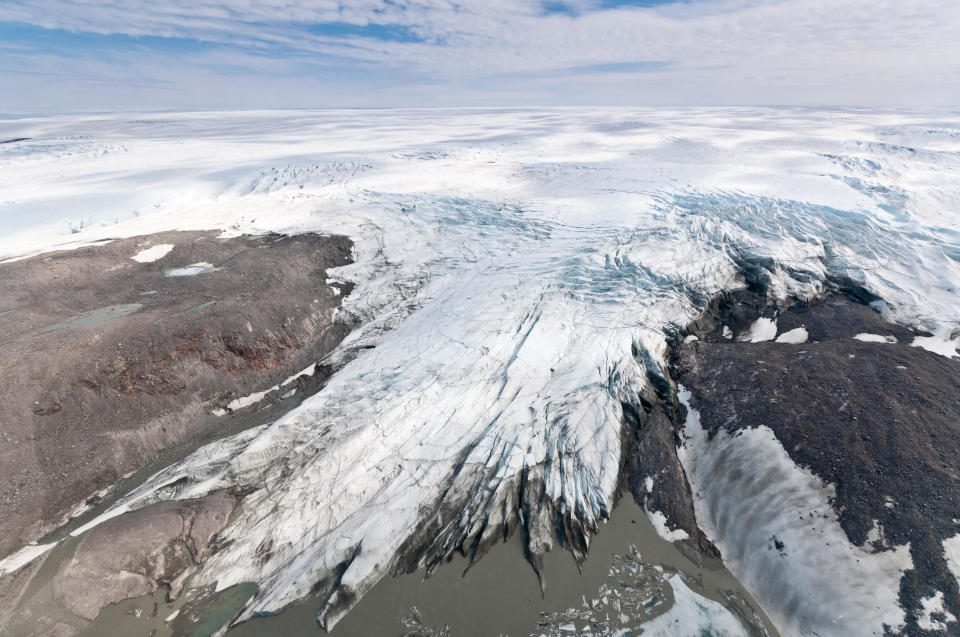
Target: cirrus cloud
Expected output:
[207,53]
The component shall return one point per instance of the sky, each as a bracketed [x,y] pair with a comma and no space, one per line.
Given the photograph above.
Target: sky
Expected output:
[107,55]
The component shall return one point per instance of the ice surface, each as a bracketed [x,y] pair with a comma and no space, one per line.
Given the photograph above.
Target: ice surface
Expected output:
[692,614]
[779,535]
[517,275]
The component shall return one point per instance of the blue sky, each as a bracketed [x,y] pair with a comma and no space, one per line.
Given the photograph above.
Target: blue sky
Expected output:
[96,55]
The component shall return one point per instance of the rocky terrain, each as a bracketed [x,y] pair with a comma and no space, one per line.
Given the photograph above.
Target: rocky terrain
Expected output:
[851,400]
[116,353]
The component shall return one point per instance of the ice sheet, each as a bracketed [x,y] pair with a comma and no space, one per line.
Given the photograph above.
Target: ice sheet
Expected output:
[517,274]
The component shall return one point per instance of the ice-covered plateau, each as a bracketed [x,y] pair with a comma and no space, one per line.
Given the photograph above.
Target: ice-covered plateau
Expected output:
[518,274]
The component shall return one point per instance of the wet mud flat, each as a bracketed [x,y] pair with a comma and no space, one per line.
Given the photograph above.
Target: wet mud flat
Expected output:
[117,360]
[632,578]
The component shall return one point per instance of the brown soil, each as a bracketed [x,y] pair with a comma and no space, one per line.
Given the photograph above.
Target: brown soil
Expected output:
[106,362]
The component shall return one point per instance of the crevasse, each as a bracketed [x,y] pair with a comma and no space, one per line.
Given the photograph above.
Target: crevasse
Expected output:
[492,397]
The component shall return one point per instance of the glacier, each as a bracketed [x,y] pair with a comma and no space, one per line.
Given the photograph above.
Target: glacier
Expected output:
[518,277]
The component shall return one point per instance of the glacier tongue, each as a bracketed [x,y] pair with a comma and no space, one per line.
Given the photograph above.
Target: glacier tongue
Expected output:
[492,395]
[481,389]
[497,397]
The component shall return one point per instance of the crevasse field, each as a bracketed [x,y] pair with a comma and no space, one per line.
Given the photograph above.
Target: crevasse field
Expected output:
[517,276]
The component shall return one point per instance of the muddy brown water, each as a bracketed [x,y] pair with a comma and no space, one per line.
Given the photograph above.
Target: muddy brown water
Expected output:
[499,595]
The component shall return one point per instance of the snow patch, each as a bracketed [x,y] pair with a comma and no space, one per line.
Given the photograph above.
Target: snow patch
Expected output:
[155,253]
[256,397]
[191,270]
[951,551]
[763,329]
[747,490]
[794,337]
[659,521]
[938,344]
[24,556]
[931,606]
[875,338]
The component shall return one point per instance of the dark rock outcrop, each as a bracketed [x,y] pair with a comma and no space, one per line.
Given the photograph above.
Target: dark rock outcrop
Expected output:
[879,421]
[652,456]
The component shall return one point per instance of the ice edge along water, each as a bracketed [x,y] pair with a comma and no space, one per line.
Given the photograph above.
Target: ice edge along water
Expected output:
[502,323]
